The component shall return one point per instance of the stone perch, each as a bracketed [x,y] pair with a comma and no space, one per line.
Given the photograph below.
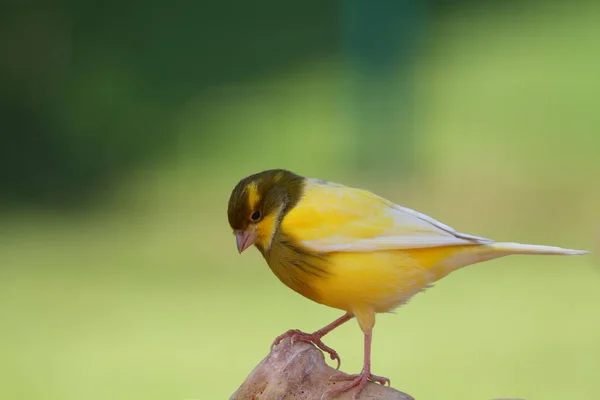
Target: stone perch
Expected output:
[299,372]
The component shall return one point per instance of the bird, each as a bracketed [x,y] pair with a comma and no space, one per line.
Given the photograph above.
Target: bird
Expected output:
[352,250]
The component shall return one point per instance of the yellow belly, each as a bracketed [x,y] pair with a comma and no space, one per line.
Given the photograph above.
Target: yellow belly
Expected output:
[371,281]
[364,284]
[380,281]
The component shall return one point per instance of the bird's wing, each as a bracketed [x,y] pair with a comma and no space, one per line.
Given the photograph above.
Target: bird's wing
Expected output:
[332,217]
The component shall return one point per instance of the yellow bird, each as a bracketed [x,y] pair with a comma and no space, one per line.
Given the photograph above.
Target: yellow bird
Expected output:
[352,250]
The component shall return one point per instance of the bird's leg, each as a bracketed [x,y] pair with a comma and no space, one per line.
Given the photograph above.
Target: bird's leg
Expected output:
[315,337]
[358,381]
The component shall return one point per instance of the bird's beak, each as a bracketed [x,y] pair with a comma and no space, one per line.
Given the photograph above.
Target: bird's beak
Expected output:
[245,239]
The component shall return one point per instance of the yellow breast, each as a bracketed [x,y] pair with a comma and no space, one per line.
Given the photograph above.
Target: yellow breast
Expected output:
[380,281]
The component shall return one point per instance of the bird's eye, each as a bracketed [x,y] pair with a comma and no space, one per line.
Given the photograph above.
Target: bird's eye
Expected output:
[255,216]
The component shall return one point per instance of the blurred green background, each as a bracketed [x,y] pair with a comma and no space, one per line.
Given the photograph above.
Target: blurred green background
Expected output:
[126,125]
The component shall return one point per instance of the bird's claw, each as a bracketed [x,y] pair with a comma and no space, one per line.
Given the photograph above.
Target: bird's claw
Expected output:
[289,334]
[358,381]
[297,335]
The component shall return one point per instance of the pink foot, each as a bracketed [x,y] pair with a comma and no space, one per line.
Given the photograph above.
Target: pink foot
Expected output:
[358,381]
[313,338]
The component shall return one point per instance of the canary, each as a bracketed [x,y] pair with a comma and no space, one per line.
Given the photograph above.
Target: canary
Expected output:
[352,250]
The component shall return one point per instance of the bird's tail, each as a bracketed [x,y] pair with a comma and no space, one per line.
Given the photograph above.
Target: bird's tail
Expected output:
[450,259]
[518,248]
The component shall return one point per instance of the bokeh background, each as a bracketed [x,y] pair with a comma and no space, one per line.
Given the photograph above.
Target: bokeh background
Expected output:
[126,125]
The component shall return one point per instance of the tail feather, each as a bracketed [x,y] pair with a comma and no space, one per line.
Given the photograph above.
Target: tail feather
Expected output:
[518,248]
[469,255]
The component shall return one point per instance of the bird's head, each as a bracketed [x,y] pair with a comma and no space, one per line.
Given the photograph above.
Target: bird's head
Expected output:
[257,204]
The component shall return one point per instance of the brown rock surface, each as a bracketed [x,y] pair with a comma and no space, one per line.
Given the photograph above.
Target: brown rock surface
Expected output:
[299,372]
